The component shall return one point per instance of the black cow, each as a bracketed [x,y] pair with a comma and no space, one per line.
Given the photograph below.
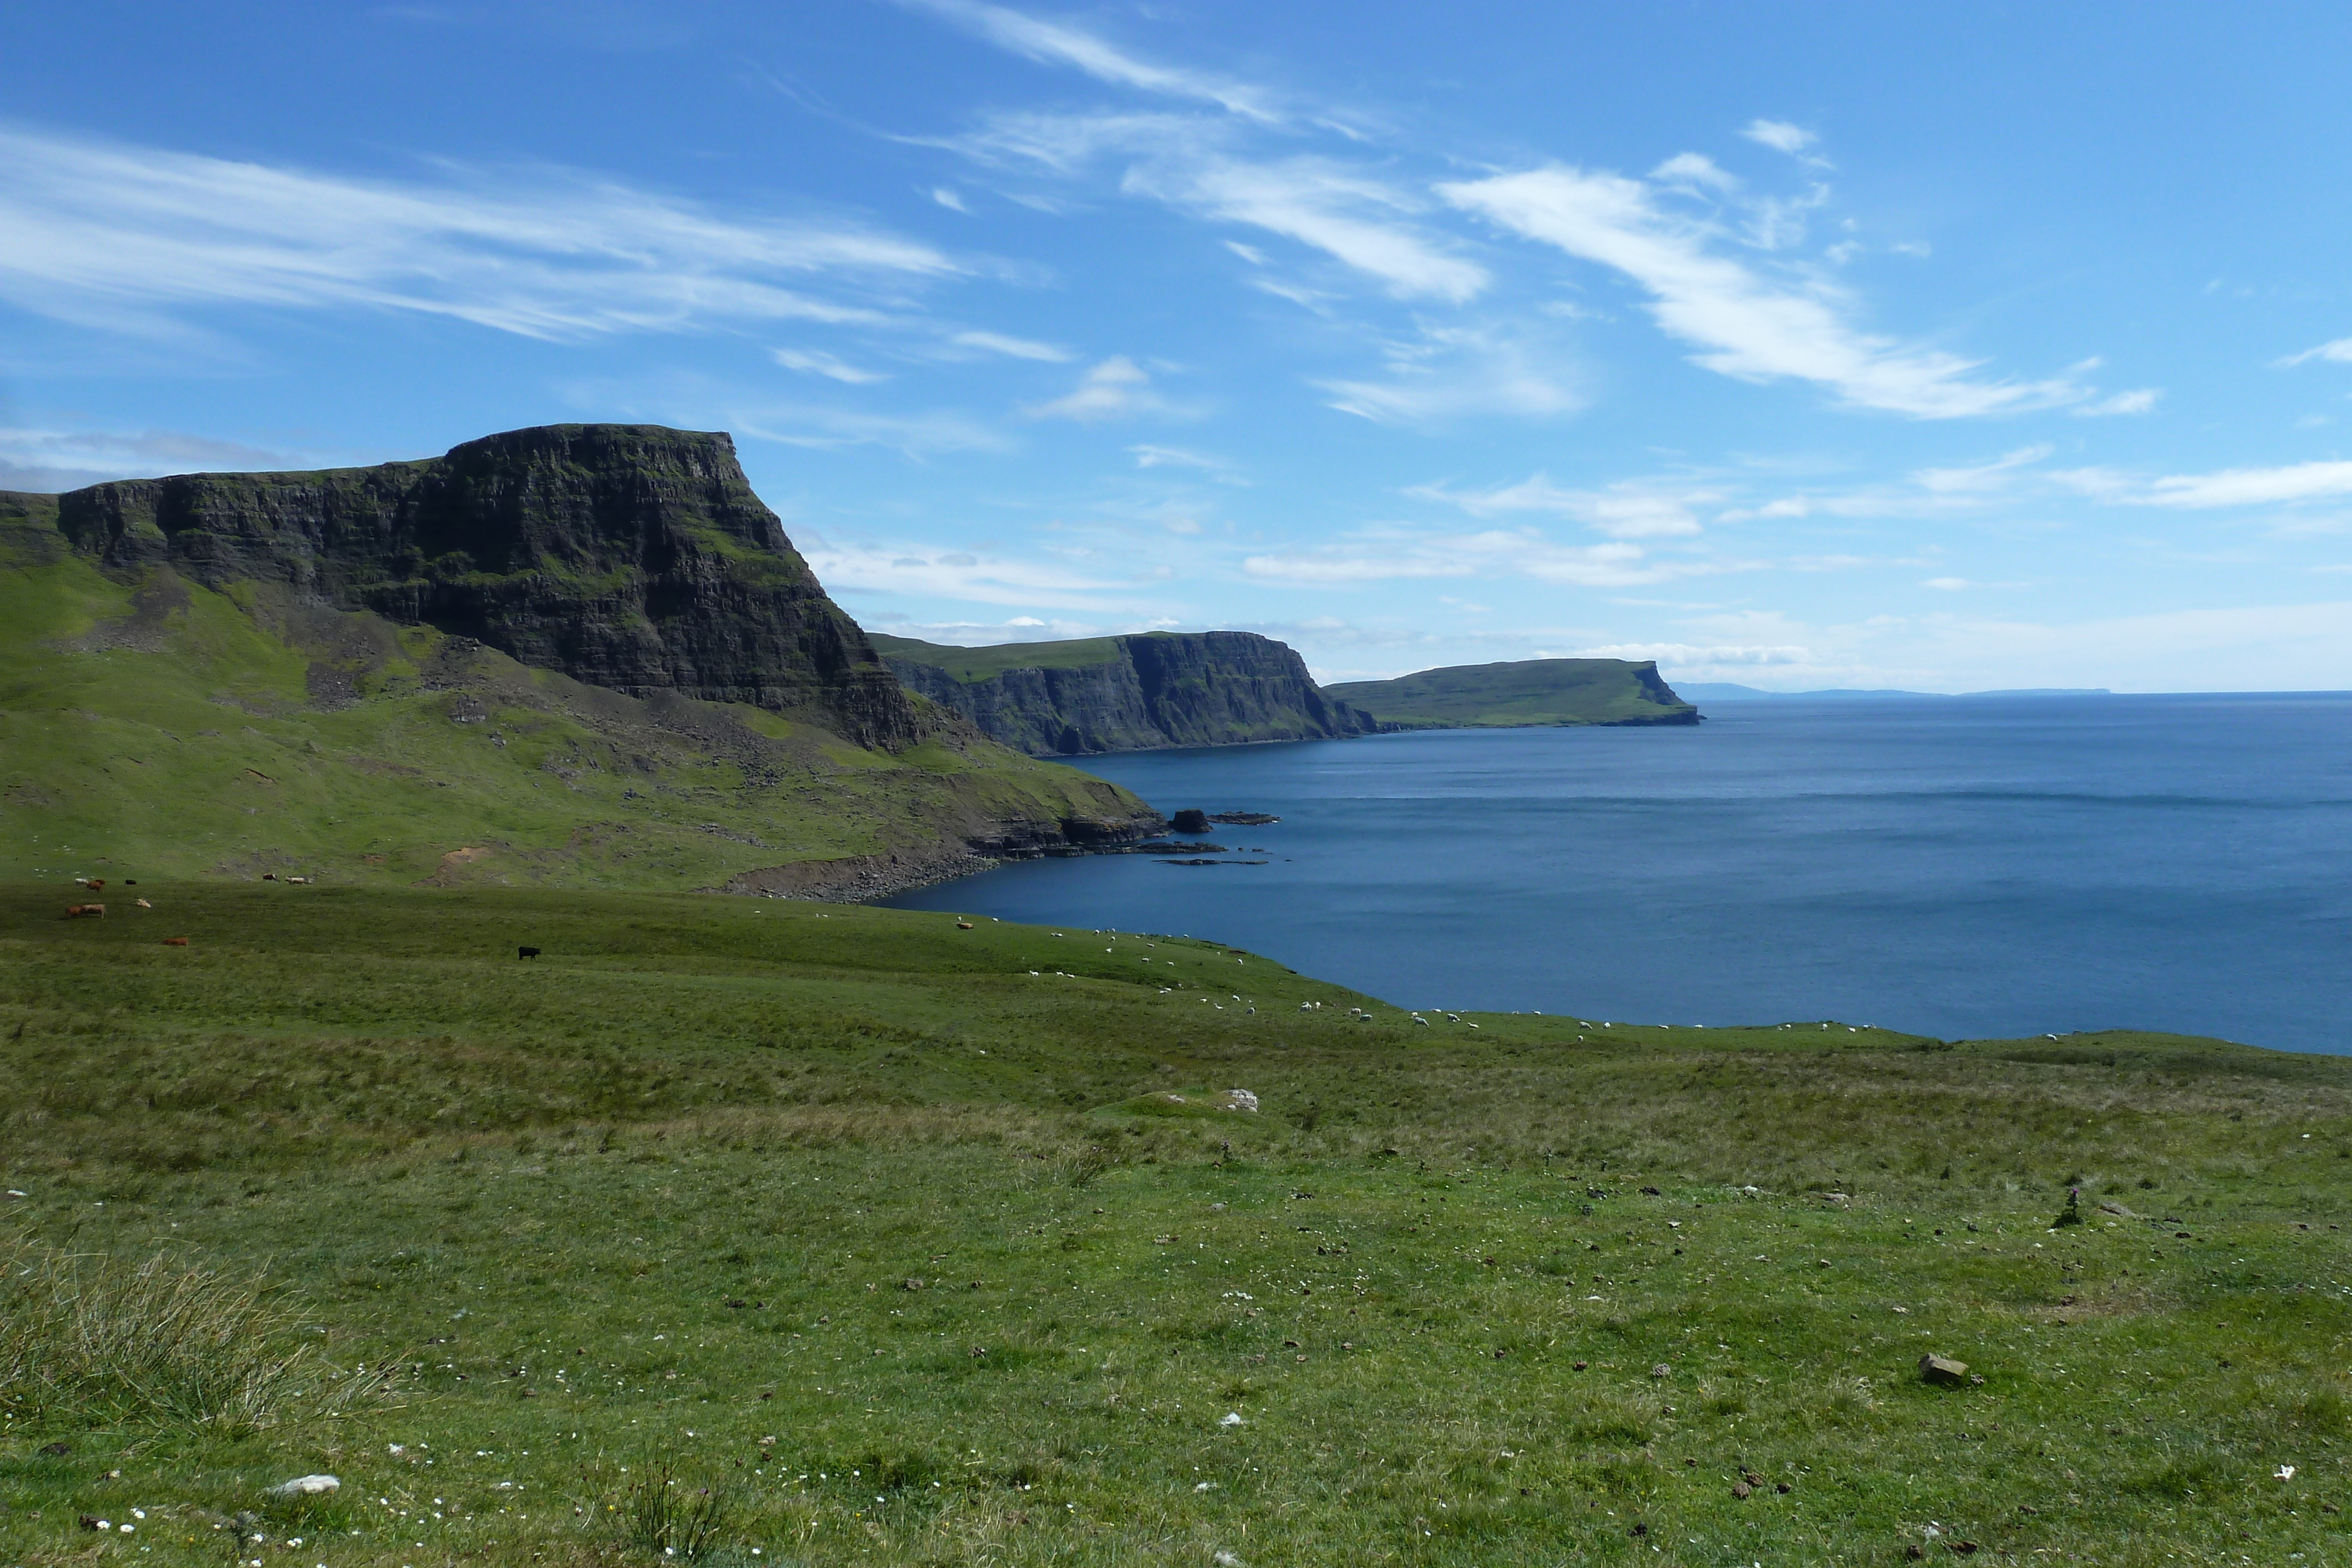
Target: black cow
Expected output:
[526,951]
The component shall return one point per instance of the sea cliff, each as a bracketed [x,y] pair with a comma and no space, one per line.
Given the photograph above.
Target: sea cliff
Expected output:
[583,656]
[628,557]
[1127,693]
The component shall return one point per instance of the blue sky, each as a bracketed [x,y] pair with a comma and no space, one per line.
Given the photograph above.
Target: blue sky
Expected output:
[1816,344]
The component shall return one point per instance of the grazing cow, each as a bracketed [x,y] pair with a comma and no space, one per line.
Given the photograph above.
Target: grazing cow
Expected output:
[526,951]
[81,911]
[175,941]
[963,924]
[95,884]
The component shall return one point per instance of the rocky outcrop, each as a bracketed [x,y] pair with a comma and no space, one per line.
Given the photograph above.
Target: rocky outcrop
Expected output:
[633,558]
[1127,693]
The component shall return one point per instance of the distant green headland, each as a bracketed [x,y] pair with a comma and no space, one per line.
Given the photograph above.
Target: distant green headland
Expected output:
[582,655]
[1527,693]
[1127,693]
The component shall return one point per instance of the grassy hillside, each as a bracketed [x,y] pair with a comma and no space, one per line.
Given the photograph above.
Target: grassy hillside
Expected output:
[154,727]
[1530,692]
[914,1244]
[972,664]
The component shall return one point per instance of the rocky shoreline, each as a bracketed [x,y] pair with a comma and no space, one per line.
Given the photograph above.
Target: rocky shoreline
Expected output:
[860,879]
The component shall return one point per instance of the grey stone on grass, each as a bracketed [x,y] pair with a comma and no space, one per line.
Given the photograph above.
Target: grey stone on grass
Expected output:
[304,1486]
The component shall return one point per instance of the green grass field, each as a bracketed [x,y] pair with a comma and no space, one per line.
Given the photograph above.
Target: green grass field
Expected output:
[914,1244]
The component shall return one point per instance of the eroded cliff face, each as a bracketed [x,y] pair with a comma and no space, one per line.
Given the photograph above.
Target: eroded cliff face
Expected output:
[634,557]
[1160,690]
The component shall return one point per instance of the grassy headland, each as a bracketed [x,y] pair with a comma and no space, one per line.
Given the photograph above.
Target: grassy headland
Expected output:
[1522,693]
[149,721]
[918,1244]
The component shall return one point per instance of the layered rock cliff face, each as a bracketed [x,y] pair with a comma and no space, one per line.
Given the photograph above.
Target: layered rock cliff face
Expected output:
[1127,693]
[628,557]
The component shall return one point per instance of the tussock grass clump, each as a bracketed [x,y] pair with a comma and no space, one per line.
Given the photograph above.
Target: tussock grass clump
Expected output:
[663,1518]
[159,1340]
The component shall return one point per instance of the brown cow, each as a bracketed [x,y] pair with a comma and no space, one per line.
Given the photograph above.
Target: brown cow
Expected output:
[175,941]
[77,911]
[95,884]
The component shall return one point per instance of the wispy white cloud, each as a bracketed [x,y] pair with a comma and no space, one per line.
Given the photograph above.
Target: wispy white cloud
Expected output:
[2247,487]
[1694,171]
[817,362]
[1743,324]
[919,434]
[46,460]
[2284,486]
[1392,554]
[984,634]
[1681,654]
[1981,477]
[1780,135]
[1112,390]
[1341,211]
[2140,401]
[1194,164]
[1016,348]
[950,200]
[2340,350]
[1059,43]
[1448,373]
[881,567]
[125,235]
[1628,509]
[1217,468]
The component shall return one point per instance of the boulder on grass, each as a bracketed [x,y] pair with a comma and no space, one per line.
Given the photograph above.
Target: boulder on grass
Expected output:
[304,1486]
[1943,1371]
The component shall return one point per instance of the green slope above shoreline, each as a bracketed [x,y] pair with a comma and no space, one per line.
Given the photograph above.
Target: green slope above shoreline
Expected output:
[1527,693]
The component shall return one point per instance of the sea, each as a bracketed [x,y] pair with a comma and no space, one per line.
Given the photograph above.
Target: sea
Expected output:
[1964,868]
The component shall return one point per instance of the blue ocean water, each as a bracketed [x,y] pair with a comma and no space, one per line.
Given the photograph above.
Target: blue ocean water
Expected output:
[1960,868]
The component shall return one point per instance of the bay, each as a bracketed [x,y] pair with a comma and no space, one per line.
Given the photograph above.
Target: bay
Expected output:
[1965,868]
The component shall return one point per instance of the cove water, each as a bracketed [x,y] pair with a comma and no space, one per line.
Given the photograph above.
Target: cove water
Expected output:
[1963,867]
